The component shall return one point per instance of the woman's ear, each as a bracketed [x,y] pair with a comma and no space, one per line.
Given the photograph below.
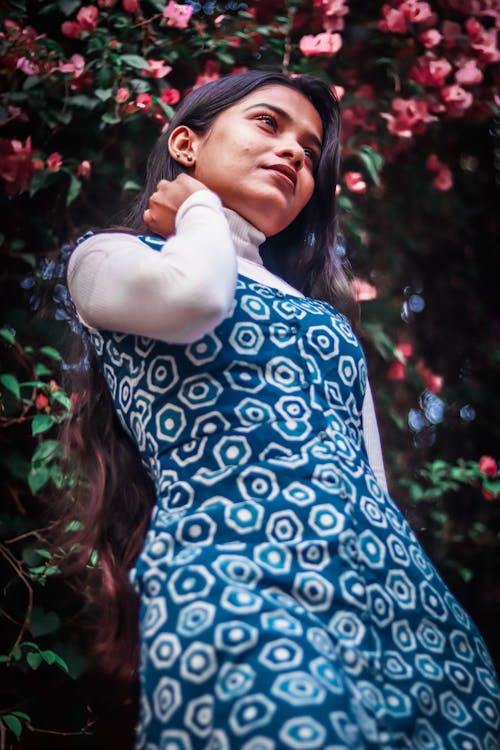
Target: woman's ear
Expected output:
[182,145]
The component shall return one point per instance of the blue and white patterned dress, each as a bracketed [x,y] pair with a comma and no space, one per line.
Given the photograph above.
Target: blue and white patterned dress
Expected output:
[285,601]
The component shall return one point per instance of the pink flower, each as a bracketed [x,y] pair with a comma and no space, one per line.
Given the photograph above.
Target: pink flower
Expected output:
[430,38]
[443,179]
[333,12]
[71,29]
[430,71]
[457,100]
[405,348]
[433,163]
[488,465]
[363,290]
[41,402]
[170,96]
[487,47]
[451,32]
[177,15]
[355,182]
[87,17]
[130,6]
[27,66]
[210,73]
[433,383]
[16,165]
[75,65]
[321,44]
[397,371]
[416,12]
[394,20]
[157,69]
[469,74]
[84,169]
[106,3]
[339,91]
[473,28]
[411,116]
[144,101]
[122,95]
[54,162]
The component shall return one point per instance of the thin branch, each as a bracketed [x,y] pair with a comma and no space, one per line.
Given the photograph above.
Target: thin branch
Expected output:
[7,554]
[288,41]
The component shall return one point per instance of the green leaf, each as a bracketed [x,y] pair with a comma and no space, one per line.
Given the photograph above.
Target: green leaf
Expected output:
[110,118]
[37,478]
[43,622]
[13,723]
[50,352]
[135,61]
[57,475]
[68,6]
[158,4]
[41,369]
[10,383]
[132,185]
[492,485]
[35,556]
[21,715]
[41,180]
[74,189]
[84,101]
[7,335]
[17,465]
[120,22]
[225,57]
[103,94]
[52,658]
[42,423]
[30,82]
[34,660]
[62,399]
[169,112]
[46,451]
[373,162]
[73,526]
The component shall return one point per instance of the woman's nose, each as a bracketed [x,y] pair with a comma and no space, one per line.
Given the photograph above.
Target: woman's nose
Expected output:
[292,151]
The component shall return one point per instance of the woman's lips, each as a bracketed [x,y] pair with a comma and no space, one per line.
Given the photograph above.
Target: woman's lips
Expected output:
[288,174]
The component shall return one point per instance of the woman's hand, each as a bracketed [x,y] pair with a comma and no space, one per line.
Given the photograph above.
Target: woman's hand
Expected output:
[166,201]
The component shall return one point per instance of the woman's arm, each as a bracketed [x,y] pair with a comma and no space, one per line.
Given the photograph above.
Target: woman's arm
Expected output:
[372,439]
[175,295]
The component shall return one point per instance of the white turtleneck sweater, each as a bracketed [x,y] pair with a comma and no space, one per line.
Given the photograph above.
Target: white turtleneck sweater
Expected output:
[182,292]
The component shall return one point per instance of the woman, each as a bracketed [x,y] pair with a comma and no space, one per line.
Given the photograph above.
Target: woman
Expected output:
[284,601]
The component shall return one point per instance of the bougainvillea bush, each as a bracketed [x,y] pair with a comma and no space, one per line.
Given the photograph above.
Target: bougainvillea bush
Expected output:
[85,91]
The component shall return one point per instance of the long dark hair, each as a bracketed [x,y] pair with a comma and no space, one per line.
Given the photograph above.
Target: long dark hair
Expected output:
[111,496]
[305,253]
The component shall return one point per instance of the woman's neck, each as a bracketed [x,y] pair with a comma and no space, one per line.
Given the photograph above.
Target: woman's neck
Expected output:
[246,238]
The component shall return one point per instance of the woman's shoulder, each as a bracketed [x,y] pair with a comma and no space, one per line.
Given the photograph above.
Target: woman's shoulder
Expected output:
[117,238]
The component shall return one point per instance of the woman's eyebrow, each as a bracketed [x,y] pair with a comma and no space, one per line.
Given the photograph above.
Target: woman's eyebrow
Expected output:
[282,113]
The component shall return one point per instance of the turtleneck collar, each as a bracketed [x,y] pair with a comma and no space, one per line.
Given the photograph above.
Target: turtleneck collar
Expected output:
[246,238]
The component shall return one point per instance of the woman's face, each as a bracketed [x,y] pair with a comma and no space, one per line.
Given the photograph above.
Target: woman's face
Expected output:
[260,156]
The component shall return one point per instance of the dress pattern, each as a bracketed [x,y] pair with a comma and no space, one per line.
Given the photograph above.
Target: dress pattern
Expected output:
[285,601]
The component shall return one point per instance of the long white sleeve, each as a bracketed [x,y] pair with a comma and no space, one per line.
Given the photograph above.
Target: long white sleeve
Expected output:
[372,439]
[175,295]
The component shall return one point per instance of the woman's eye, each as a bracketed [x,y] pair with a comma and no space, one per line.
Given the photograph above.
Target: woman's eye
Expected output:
[312,156]
[268,120]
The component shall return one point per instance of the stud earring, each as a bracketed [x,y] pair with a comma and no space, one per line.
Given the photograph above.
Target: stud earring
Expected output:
[177,154]
[189,157]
